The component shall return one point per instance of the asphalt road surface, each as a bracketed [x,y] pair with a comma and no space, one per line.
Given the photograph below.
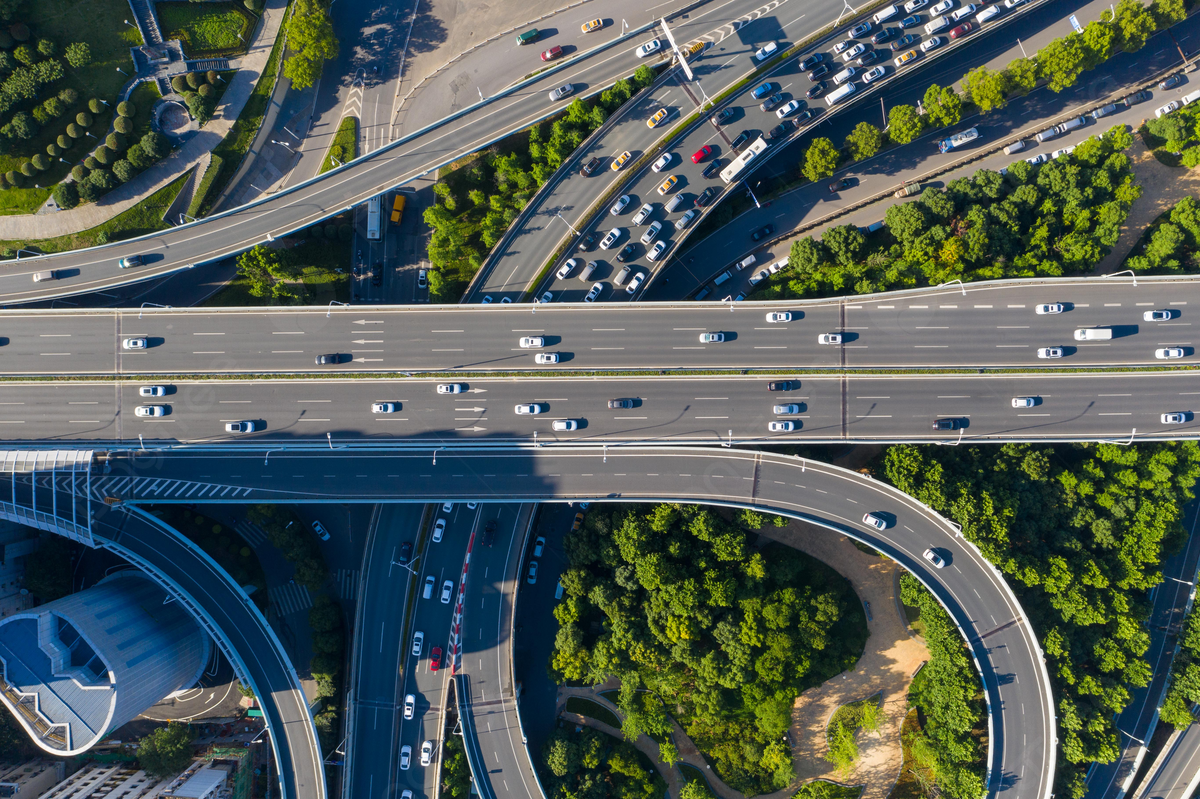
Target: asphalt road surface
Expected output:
[1179,774]
[1014,677]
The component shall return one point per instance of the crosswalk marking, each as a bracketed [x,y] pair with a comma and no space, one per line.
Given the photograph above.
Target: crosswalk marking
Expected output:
[290,598]
[254,535]
[347,583]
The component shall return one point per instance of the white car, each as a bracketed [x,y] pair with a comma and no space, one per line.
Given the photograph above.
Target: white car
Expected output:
[829,338]
[418,643]
[964,12]
[1023,402]
[529,409]
[875,74]
[766,51]
[662,163]
[1168,353]
[655,253]
[854,52]
[439,529]
[649,48]
[472,505]
[545,358]
[941,8]
[781,427]
[643,214]
[150,410]
[619,206]
[566,269]
[841,46]
[933,558]
[651,232]
[1012,3]
[239,427]
[712,338]
[1049,308]
[878,522]
[1168,108]
[133,344]
[790,108]
[779,316]
[383,407]
[913,5]
[410,705]
[786,410]
[931,43]
[1149,316]
[152,391]
[545,298]
[1050,352]
[1174,418]
[532,342]
[608,241]
[450,388]
[447,590]
[594,292]
[636,283]
[426,753]
[1040,158]
[564,425]
[405,757]
[447,507]
[1061,152]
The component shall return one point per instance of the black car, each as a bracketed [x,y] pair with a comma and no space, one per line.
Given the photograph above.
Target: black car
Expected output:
[722,116]
[885,35]
[587,242]
[1134,99]
[947,424]
[804,116]
[706,196]
[904,41]
[590,167]
[405,553]
[742,139]
[780,385]
[713,168]
[782,129]
[620,404]
[626,252]
[329,358]
[762,233]
[819,73]
[489,532]
[910,22]
[869,57]
[811,61]
[770,103]
[838,185]
[816,91]
[1171,82]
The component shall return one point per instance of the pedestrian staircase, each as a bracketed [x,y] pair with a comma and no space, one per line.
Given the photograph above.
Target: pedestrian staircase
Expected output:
[205,64]
[143,12]
[164,86]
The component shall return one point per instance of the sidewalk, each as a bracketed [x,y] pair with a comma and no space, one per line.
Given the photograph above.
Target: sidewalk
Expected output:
[30,227]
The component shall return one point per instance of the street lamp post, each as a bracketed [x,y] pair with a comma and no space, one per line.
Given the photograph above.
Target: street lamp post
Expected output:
[568,224]
[123,72]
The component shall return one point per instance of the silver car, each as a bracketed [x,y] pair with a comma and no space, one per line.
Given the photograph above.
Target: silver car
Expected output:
[594,292]
[712,338]
[786,410]
[450,388]
[528,409]
[829,338]
[532,342]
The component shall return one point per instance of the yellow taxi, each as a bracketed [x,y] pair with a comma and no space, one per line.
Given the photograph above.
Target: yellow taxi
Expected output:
[594,25]
[620,160]
[668,184]
[659,116]
[905,58]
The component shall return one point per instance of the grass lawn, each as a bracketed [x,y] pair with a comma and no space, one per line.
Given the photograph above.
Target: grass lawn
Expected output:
[143,218]
[593,710]
[344,146]
[909,783]
[143,98]
[206,29]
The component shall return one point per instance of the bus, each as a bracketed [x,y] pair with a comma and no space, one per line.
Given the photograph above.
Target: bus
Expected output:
[958,140]
[373,231]
[837,95]
[738,164]
[397,209]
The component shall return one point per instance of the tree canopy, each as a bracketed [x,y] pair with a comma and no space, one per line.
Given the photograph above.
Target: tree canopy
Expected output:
[166,751]
[591,765]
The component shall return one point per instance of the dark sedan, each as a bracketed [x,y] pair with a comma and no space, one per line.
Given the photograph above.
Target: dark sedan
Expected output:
[782,129]
[590,167]
[904,42]
[713,168]
[838,185]
[742,140]
[816,91]
[780,385]
[885,35]
[722,116]
[706,196]
[770,103]
[587,242]
[910,22]
[762,233]
[819,72]
[947,424]
[869,57]
[626,252]
[811,61]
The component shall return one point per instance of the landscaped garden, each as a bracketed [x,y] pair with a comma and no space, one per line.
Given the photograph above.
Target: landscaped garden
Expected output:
[207,30]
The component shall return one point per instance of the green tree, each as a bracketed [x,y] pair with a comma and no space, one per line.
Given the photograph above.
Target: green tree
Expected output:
[456,774]
[46,48]
[1062,60]
[864,141]
[943,106]
[820,160]
[986,88]
[904,124]
[1167,12]
[1135,24]
[166,751]
[78,54]
[311,42]
[1021,75]
[643,76]
[1098,42]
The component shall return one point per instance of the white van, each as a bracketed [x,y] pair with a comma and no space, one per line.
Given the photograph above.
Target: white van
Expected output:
[38,277]
[1046,135]
[428,592]
[939,24]
[747,261]
[837,95]
[965,12]
[845,75]
[1015,147]
[722,277]
[1093,334]
[886,13]
[1190,98]
[1071,124]
[987,14]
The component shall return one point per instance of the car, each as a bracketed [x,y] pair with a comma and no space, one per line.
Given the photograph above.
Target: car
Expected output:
[564,425]
[791,108]
[620,205]
[620,404]
[405,552]
[829,338]
[816,91]
[566,269]
[762,233]
[1104,111]
[961,30]
[566,90]
[763,90]
[422,278]
[869,57]
[544,358]
[1023,402]
[1049,308]
[405,757]
[1156,316]
[933,558]
[706,196]
[885,35]
[472,505]
[553,53]
[594,25]
[941,8]
[1063,151]
[620,160]
[133,344]
[150,410]
[1171,82]
[575,526]
[152,391]
[662,163]
[766,51]
[649,48]
[546,297]
[130,260]
[770,103]
[327,359]
[587,242]
[804,116]
[529,409]
[239,427]
[873,520]
[810,62]
[842,46]
[435,659]
[781,427]
[854,52]
[487,300]
[1040,158]
[722,116]
[591,167]
[658,117]
[651,232]
[667,185]
[782,129]
[946,424]
[786,410]
[1136,97]
[780,385]
[410,705]
[861,29]
[643,214]
[905,58]
[450,388]
[610,239]
[964,12]
[742,139]
[838,185]
[701,154]
[447,591]
[905,42]
[439,529]
[818,73]
[426,753]
[653,255]
[910,22]
[636,283]
[531,577]
[1012,3]
[931,43]
[914,5]
[532,342]
[447,507]
[489,532]
[626,253]
[383,407]
[874,74]
[594,292]
[418,644]
[1168,108]
[774,317]
[685,220]
[1168,353]
[712,338]
[1050,352]
[1177,417]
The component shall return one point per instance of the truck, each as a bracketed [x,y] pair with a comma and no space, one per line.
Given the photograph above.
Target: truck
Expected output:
[958,140]
[908,189]
[397,209]
[373,231]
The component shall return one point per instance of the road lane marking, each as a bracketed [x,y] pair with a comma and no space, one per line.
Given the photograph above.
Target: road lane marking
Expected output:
[208,334]
[983,306]
[285,352]
[54,335]
[771,348]
[209,352]
[712,417]
[458,350]
[913,307]
[445,331]
[1116,414]
[283,333]
[930,327]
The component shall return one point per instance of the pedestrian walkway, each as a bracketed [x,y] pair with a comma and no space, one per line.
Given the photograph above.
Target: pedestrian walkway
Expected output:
[254,535]
[347,584]
[290,598]
[31,227]
[134,488]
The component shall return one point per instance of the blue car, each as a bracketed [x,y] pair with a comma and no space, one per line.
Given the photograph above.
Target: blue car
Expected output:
[910,22]
[763,91]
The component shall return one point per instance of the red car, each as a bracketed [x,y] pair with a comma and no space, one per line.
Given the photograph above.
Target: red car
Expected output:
[961,30]
[551,54]
[701,154]
[435,659]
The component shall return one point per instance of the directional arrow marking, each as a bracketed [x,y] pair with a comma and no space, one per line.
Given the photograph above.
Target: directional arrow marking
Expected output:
[368,322]
[367,341]
[368,360]
[470,428]
[476,410]
[476,390]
